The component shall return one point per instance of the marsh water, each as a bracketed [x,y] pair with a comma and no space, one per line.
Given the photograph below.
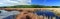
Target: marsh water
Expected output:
[11,14]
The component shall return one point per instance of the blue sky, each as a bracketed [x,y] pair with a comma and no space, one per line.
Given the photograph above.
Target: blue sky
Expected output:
[52,3]
[40,2]
[47,2]
[37,1]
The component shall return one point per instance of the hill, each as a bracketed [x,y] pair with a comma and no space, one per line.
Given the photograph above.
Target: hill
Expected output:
[31,6]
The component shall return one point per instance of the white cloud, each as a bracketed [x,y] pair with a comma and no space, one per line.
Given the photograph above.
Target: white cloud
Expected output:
[15,2]
[1,3]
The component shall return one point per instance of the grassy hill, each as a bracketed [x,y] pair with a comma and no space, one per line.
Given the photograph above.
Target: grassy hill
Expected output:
[31,6]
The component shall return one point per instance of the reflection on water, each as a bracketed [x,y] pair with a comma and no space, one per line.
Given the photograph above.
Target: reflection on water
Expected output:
[47,13]
[4,13]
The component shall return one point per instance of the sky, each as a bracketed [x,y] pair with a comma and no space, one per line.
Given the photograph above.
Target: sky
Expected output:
[47,2]
[27,2]
[37,2]
[14,2]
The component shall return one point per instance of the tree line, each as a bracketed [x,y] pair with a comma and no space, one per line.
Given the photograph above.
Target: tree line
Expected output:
[31,6]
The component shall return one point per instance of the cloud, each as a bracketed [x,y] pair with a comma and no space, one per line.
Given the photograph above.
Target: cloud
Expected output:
[15,2]
[1,3]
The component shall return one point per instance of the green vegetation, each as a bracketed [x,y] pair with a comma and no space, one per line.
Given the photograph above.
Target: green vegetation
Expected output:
[31,6]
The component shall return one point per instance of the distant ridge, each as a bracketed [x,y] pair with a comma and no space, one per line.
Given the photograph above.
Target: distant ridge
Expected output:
[30,6]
